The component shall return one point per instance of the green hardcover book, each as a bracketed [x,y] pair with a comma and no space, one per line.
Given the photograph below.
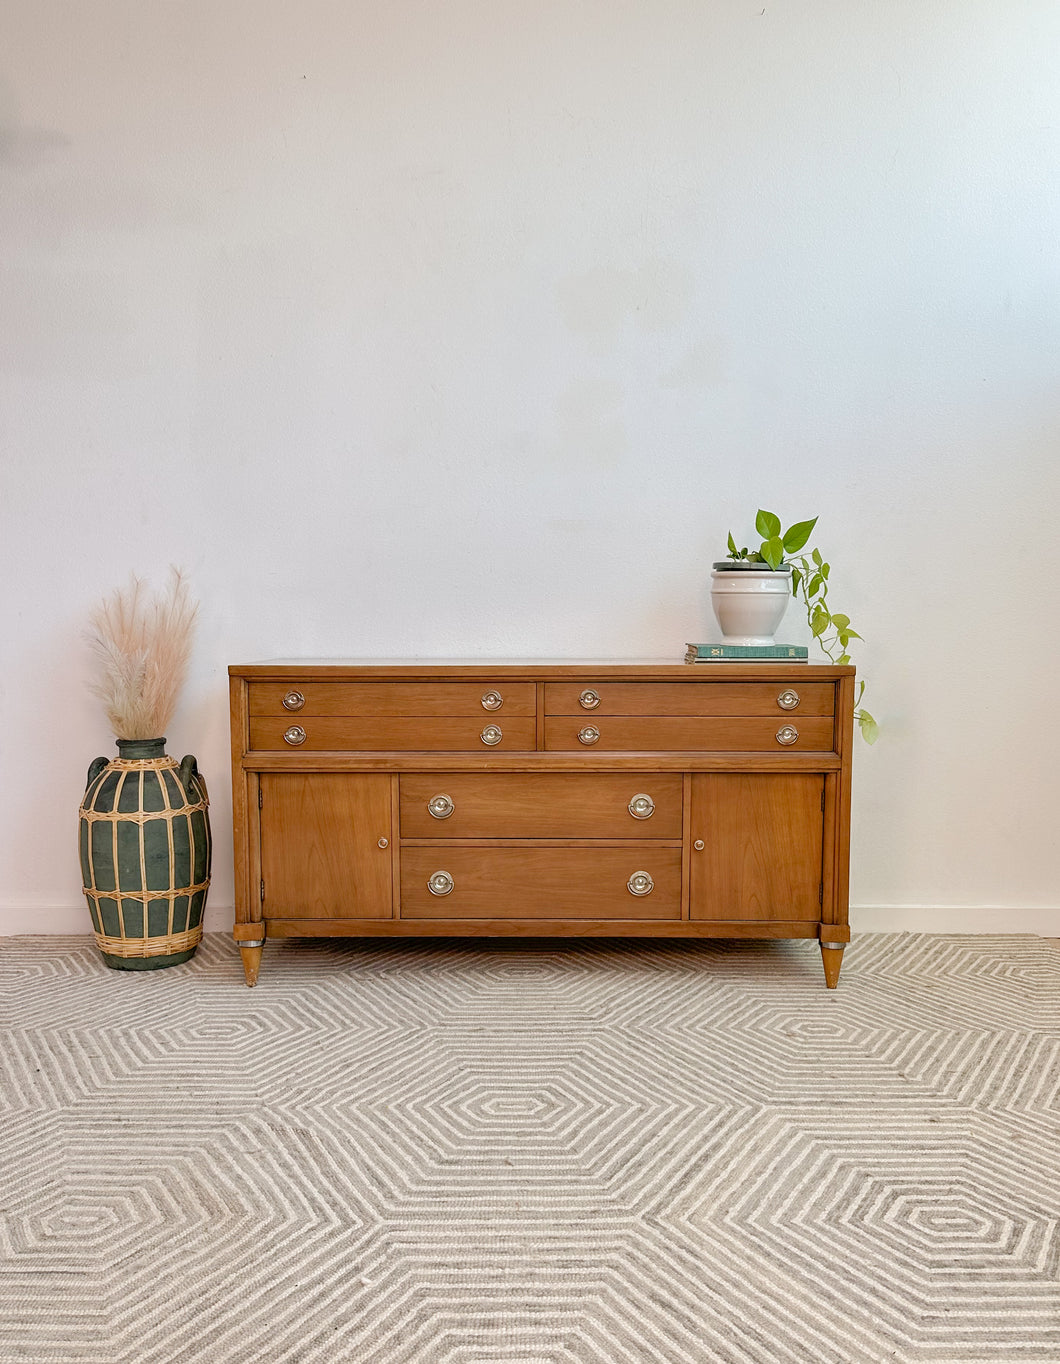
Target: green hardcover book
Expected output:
[745,653]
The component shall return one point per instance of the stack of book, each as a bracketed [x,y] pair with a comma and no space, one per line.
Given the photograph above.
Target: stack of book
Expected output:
[745,653]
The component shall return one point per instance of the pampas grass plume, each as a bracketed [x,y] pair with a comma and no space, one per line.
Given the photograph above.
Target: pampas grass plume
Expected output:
[141,644]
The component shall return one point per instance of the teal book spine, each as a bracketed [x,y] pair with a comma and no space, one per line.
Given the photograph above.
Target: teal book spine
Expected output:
[720,653]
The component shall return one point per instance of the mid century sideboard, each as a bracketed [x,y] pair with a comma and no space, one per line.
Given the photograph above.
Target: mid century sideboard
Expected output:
[398,799]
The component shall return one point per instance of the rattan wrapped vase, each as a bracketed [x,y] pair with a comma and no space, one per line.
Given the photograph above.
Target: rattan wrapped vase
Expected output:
[145,855]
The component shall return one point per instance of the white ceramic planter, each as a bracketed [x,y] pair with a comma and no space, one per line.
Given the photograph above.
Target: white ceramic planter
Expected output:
[750,603]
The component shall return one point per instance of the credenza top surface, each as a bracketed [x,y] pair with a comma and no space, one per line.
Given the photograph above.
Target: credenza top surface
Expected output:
[337,670]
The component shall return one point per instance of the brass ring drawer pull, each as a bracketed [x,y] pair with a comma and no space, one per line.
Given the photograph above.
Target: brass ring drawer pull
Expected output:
[789,699]
[641,806]
[293,700]
[589,699]
[699,845]
[492,700]
[441,883]
[787,734]
[440,807]
[640,883]
[294,735]
[491,735]
[589,735]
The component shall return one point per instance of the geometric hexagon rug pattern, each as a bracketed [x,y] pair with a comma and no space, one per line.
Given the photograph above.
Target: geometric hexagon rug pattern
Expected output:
[534,1152]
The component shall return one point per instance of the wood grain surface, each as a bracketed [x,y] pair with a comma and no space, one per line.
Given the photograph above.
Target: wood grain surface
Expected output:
[386,733]
[541,805]
[718,734]
[320,854]
[688,698]
[394,698]
[545,882]
[293,670]
[763,846]
[514,927]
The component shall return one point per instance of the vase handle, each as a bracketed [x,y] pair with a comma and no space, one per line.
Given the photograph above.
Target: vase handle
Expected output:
[189,772]
[95,767]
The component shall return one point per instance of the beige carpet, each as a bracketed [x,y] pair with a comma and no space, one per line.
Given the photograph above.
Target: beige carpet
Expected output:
[532,1153]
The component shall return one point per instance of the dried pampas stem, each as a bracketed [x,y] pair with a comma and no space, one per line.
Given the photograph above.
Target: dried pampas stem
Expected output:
[142,646]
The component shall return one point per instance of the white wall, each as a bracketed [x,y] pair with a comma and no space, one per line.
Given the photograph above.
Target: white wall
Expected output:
[470,328]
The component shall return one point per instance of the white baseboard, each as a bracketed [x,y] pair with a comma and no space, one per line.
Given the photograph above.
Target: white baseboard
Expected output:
[863,919]
[18,919]
[954,919]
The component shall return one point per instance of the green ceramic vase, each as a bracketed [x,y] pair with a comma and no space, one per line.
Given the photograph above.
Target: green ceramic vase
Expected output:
[145,855]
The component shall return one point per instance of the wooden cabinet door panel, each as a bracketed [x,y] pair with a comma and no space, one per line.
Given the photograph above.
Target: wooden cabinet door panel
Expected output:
[763,837]
[320,854]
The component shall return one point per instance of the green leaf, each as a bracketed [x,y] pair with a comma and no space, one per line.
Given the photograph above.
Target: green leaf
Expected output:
[870,730]
[734,553]
[815,555]
[843,658]
[824,570]
[844,638]
[773,551]
[796,578]
[767,524]
[841,621]
[853,634]
[815,584]
[796,536]
[819,621]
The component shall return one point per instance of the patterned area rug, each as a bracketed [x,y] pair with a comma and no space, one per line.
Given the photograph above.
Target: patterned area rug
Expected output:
[532,1153]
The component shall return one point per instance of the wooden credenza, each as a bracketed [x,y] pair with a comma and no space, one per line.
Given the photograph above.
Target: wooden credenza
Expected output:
[496,799]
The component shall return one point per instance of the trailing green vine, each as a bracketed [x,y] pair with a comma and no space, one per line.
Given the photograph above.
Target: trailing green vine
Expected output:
[809,584]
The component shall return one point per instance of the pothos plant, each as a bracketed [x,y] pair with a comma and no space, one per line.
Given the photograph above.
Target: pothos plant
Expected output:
[809,584]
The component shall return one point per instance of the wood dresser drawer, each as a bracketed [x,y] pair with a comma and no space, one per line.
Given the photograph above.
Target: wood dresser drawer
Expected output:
[393,733]
[541,805]
[392,698]
[689,698]
[541,882]
[722,734]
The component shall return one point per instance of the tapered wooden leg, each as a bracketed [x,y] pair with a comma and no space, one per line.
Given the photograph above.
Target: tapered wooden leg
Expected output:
[832,960]
[251,954]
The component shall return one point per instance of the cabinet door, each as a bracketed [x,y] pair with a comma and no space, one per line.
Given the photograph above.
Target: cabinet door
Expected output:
[320,853]
[762,852]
